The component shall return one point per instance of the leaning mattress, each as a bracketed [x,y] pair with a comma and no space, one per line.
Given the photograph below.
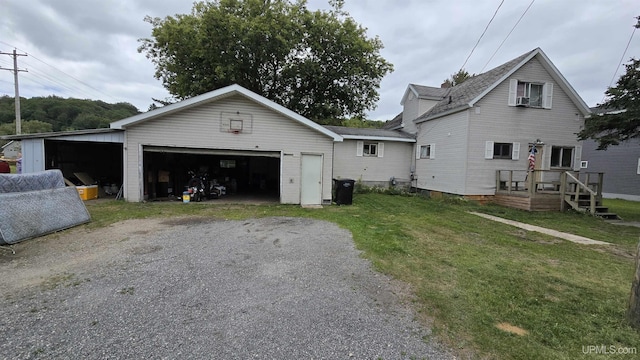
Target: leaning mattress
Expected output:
[41,205]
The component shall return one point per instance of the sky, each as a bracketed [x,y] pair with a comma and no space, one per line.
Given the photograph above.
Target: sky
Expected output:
[88,48]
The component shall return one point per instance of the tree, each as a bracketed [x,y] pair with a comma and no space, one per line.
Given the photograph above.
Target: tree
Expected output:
[621,119]
[458,78]
[320,64]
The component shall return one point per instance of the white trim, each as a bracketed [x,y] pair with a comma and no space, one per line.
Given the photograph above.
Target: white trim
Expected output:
[432,151]
[638,171]
[488,150]
[359,148]
[379,138]
[547,95]
[513,92]
[515,151]
[216,95]
[380,150]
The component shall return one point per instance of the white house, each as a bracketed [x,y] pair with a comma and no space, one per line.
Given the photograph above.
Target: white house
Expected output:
[375,157]
[491,121]
[11,149]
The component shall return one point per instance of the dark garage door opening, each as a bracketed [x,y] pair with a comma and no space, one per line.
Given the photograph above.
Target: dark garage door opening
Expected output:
[242,173]
[102,161]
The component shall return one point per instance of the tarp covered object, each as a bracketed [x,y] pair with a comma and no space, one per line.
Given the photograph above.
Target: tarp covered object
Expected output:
[35,204]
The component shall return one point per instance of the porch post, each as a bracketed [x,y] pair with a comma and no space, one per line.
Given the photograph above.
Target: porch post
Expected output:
[563,190]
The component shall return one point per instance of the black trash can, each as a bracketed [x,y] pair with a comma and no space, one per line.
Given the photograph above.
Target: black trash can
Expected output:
[343,191]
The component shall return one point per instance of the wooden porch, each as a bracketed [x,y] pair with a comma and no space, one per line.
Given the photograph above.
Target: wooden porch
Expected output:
[551,190]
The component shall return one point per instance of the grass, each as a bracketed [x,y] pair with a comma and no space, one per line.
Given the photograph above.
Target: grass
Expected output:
[470,274]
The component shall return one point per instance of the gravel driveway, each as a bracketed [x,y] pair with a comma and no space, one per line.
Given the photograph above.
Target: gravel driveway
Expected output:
[273,288]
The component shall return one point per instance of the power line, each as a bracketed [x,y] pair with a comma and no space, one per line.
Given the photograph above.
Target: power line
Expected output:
[55,68]
[622,57]
[482,35]
[509,34]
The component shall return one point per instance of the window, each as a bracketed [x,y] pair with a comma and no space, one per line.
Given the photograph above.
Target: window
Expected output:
[427,151]
[561,157]
[496,150]
[502,150]
[370,149]
[530,94]
[531,91]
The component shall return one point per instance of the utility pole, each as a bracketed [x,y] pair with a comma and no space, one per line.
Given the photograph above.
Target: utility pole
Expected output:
[15,81]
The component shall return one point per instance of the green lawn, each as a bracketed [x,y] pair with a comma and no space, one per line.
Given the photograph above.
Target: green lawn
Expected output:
[470,274]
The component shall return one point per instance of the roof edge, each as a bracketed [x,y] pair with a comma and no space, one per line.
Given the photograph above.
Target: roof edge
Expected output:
[382,138]
[211,96]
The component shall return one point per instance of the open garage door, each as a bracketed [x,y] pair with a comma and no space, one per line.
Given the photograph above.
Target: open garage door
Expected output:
[102,161]
[244,174]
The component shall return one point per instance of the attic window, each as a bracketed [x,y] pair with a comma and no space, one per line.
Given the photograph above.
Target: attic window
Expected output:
[531,91]
[530,94]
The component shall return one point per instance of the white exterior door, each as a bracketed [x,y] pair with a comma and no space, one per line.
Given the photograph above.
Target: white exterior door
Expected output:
[311,180]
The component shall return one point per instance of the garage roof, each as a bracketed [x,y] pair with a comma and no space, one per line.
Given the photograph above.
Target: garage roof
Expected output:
[217,95]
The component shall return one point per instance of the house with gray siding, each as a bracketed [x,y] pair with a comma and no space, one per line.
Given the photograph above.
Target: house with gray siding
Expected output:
[491,122]
[374,157]
[620,165]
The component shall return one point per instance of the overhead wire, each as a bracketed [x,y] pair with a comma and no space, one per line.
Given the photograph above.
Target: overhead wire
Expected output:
[509,34]
[481,35]
[624,53]
[64,73]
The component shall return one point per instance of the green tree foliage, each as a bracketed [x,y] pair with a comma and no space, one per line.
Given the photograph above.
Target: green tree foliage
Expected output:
[621,120]
[52,113]
[458,78]
[320,64]
[362,123]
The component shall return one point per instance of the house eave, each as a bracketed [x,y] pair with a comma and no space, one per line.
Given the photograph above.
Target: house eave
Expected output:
[378,138]
[444,113]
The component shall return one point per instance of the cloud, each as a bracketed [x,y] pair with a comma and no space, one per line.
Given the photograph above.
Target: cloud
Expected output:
[88,48]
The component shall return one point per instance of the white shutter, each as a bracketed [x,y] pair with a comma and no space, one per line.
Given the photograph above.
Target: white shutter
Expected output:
[515,151]
[547,95]
[577,157]
[638,172]
[418,151]
[432,154]
[488,150]
[359,148]
[380,149]
[513,91]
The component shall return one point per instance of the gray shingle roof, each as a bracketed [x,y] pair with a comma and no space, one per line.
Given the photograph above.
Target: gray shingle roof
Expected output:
[459,96]
[369,132]
[393,124]
[429,92]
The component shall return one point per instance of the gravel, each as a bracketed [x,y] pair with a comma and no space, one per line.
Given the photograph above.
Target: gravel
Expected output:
[272,288]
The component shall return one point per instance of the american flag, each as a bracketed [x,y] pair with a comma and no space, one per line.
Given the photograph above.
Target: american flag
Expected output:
[532,158]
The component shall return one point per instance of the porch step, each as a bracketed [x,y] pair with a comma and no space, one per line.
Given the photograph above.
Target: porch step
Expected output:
[608,215]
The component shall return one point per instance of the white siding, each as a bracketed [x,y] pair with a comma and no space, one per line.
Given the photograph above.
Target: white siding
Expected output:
[32,155]
[447,170]
[412,110]
[199,127]
[396,162]
[498,122]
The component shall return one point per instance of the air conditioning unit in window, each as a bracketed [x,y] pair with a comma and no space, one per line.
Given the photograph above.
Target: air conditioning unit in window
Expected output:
[522,101]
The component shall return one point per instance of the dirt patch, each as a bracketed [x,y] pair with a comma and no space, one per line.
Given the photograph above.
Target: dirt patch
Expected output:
[47,259]
[512,329]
